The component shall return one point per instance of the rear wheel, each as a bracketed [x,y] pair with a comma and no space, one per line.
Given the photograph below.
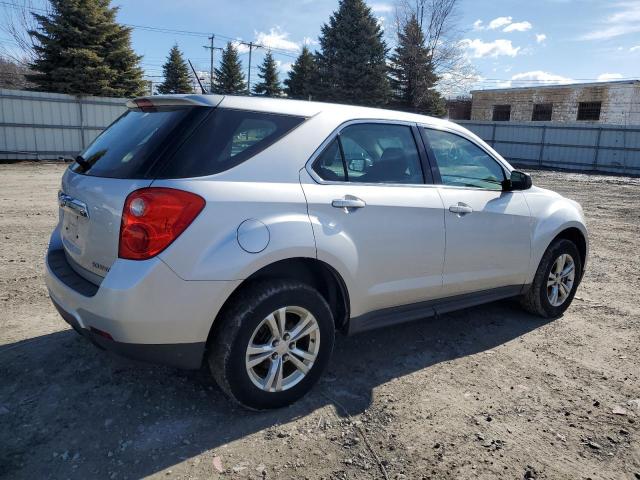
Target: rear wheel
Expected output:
[556,280]
[272,344]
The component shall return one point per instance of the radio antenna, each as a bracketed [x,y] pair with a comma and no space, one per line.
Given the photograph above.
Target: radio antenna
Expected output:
[198,79]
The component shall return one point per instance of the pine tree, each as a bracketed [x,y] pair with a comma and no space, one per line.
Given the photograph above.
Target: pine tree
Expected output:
[270,84]
[176,74]
[412,76]
[128,81]
[302,76]
[352,61]
[229,78]
[81,49]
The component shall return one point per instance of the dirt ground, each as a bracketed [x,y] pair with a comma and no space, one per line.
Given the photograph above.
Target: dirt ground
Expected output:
[485,393]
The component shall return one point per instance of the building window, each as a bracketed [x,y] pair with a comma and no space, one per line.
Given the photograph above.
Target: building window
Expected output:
[501,113]
[589,111]
[542,112]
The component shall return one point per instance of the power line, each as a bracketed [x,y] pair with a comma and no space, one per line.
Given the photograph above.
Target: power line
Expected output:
[169,30]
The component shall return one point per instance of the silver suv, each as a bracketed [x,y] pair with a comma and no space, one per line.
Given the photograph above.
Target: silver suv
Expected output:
[245,231]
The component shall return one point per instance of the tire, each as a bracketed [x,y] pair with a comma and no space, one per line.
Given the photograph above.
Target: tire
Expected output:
[537,299]
[245,320]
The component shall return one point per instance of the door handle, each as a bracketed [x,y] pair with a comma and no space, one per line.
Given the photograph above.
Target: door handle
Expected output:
[348,203]
[461,208]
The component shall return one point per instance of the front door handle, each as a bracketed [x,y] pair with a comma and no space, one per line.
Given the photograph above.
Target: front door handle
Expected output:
[461,208]
[348,202]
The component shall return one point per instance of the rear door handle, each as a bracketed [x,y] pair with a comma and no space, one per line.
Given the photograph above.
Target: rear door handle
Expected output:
[348,202]
[461,208]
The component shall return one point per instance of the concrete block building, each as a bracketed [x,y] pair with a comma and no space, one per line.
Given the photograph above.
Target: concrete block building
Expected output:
[616,103]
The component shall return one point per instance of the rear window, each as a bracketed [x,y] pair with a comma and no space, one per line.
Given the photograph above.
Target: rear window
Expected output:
[225,139]
[181,142]
[135,142]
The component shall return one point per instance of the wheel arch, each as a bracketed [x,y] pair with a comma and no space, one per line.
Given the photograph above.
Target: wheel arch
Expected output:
[311,271]
[577,237]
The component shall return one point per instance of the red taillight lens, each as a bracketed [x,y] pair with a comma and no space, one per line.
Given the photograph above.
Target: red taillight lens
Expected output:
[152,218]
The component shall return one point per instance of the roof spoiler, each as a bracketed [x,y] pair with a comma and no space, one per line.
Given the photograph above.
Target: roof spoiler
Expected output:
[175,101]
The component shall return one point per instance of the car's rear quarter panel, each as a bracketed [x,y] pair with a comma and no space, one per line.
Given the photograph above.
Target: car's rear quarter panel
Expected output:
[209,248]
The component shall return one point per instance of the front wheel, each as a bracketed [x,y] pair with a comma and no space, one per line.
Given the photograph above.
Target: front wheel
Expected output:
[556,280]
[273,343]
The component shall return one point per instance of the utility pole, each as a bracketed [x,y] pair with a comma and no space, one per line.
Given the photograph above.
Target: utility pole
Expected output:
[212,50]
[212,38]
[249,73]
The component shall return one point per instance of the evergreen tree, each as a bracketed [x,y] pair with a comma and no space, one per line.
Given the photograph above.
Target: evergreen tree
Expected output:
[412,76]
[229,78]
[176,74]
[123,61]
[81,49]
[302,76]
[270,84]
[352,61]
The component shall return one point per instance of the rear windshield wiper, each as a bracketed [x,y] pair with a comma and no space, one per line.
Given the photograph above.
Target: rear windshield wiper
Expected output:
[82,162]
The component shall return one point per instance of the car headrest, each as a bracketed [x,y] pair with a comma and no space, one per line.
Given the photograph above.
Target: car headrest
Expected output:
[392,154]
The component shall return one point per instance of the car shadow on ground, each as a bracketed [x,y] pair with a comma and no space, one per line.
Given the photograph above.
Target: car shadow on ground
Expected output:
[63,398]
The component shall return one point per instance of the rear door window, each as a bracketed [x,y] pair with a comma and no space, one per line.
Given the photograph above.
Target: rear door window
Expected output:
[372,153]
[329,165]
[225,139]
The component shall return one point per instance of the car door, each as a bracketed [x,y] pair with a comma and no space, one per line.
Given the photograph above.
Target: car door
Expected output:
[374,218]
[488,230]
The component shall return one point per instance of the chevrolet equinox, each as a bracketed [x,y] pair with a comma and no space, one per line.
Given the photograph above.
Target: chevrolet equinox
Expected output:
[244,232]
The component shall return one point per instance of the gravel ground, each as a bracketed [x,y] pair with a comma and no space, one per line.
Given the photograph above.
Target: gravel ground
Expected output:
[485,393]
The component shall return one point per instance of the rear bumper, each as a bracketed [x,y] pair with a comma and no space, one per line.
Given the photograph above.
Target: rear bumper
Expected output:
[181,355]
[148,311]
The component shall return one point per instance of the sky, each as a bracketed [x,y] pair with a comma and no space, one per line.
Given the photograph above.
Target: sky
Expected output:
[508,42]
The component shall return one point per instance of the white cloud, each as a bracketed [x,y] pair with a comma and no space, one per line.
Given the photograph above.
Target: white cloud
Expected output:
[518,27]
[536,77]
[625,21]
[477,25]
[499,22]
[276,38]
[308,41]
[284,67]
[540,37]
[241,47]
[608,77]
[497,48]
[381,8]
[634,49]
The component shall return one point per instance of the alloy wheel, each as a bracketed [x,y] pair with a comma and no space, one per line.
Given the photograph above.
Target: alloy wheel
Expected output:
[283,349]
[561,279]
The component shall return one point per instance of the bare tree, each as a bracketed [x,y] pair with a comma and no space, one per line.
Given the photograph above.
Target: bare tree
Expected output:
[17,21]
[13,75]
[440,22]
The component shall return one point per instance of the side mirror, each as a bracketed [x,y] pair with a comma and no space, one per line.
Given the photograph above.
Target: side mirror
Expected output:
[518,181]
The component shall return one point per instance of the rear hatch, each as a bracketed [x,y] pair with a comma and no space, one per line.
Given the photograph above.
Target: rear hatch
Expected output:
[123,158]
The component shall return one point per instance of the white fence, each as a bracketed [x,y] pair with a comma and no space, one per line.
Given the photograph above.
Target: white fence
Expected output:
[584,147]
[44,126]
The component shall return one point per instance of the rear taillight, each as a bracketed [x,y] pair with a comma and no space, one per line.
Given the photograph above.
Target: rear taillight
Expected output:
[152,218]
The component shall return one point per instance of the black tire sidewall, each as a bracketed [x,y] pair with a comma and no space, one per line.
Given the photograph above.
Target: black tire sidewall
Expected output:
[241,385]
[560,248]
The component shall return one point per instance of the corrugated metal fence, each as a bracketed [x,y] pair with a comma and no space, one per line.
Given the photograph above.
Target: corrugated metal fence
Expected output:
[51,125]
[586,147]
